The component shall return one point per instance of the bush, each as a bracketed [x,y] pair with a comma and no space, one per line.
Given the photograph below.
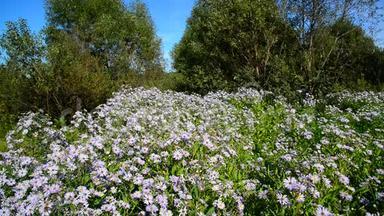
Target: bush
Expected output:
[232,44]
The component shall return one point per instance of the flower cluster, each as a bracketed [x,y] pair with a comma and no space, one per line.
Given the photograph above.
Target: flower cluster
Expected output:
[147,152]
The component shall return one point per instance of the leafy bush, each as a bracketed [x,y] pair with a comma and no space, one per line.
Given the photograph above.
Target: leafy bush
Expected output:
[232,44]
[346,57]
[249,152]
[281,46]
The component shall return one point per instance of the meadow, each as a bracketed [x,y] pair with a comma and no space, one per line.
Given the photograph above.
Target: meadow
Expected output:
[152,152]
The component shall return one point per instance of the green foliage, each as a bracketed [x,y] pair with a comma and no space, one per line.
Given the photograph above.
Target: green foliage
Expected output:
[52,85]
[23,63]
[87,51]
[24,51]
[73,77]
[244,153]
[278,45]
[122,38]
[346,56]
[230,44]
[7,122]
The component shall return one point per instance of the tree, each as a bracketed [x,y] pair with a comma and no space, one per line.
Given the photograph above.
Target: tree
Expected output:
[313,21]
[23,51]
[91,47]
[24,55]
[232,43]
[122,38]
[75,79]
[355,57]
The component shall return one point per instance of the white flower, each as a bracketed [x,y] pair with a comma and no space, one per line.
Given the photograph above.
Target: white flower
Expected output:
[263,194]
[220,204]
[300,198]
[249,186]
[291,183]
[283,199]
[345,196]
[343,179]
[322,211]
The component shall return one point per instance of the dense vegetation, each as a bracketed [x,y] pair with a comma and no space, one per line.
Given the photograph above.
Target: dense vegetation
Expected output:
[170,153]
[86,51]
[310,143]
[316,45]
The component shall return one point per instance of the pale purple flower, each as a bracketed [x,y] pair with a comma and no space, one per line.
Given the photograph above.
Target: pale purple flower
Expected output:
[345,196]
[162,200]
[185,136]
[148,183]
[151,208]
[138,180]
[208,142]
[178,154]
[97,142]
[51,189]
[322,211]
[283,199]
[343,179]
[109,208]
[219,204]
[136,195]
[291,183]
[155,158]
[249,185]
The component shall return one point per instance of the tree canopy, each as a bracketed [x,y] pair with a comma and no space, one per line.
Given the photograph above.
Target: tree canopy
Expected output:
[122,37]
[279,45]
[87,50]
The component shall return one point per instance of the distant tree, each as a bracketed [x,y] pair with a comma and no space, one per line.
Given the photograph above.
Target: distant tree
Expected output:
[122,38]
[88,50]
[350,55]
[316,23]
[23,64]
[233,43]
[278,45]
[75,79]
[23,50]
[51,77]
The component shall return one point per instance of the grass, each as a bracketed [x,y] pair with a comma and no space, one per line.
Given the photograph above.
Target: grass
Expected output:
[3,145]
[7,122]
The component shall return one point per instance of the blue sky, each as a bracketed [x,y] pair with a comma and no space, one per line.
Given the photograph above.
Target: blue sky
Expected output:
[169,16]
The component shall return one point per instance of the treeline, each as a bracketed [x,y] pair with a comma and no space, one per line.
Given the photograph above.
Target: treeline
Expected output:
[90,48]
[87,50]
[316,46]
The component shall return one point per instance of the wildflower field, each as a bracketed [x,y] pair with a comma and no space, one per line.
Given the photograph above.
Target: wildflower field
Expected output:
[147,152]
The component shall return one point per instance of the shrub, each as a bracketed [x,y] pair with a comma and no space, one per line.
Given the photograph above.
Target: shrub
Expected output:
[232,44]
